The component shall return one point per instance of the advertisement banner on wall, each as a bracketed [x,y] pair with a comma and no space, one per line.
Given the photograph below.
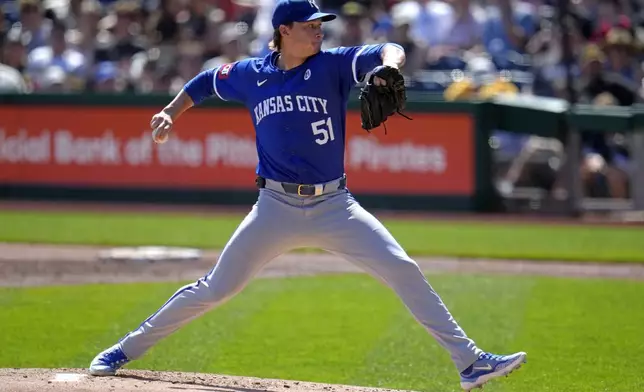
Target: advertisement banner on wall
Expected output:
[211,149]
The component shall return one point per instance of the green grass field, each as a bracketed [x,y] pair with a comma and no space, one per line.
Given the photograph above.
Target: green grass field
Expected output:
[580,335]
[462,239]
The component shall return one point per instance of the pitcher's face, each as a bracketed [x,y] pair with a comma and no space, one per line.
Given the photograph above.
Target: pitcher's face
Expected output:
[305,38]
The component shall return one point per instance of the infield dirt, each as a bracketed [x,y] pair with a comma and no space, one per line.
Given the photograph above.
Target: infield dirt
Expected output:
[77,380]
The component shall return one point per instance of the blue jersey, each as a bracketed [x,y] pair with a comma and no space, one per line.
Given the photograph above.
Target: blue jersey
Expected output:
[299,114]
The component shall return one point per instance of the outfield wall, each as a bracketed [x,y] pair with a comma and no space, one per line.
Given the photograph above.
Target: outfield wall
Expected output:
[95,147]
[99,147]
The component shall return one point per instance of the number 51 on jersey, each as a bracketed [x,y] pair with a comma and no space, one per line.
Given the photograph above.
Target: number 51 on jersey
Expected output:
[324,130]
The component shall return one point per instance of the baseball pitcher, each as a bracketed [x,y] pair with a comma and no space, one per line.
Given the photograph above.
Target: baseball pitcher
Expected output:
[297,98]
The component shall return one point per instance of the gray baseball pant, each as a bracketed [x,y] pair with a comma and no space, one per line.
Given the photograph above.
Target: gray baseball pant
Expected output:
[280,222]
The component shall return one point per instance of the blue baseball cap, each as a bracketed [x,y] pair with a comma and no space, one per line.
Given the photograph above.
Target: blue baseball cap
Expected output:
[288,11]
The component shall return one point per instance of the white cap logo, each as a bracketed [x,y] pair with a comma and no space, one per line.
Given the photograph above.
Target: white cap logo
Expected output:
[312,2]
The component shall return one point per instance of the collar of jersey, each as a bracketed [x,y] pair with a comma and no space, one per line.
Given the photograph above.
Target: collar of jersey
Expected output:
[272,63]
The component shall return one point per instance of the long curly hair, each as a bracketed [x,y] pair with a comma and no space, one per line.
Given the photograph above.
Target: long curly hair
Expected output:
[276,43]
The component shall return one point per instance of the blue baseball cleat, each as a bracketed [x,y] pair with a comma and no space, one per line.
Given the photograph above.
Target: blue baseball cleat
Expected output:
[490,366]
[108,362]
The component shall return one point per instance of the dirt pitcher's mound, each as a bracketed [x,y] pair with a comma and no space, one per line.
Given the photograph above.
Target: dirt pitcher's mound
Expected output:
[76,380]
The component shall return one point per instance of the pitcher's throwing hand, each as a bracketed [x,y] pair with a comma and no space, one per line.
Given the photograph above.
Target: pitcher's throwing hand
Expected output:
[161,125]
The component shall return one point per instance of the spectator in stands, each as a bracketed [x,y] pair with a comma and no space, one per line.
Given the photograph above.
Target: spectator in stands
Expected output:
[14,49]
[108,78]
[380,14]
[57,53]
[12,55]
[122,32]
[195,19]
[597,78]
[356,25]
[219,31]
[230,47]
[507,27]
[547,54]
[88,35]
[620,49]
[607,14]
[402,20]
[34,23]
[69,12]
[452,27]
[163,25]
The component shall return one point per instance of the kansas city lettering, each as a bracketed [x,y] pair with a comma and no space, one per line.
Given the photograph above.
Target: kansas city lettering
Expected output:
[287,103]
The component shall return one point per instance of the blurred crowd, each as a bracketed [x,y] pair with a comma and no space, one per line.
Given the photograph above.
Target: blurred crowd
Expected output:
[458,48]
[156,45]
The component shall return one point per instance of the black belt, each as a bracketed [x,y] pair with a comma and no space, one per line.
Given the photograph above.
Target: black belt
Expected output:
[306,189]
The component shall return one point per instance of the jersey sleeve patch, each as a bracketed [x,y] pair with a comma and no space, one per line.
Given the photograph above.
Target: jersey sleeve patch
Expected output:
[224,72]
